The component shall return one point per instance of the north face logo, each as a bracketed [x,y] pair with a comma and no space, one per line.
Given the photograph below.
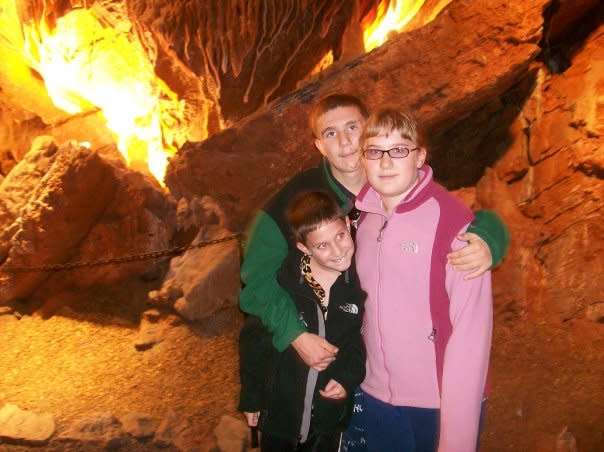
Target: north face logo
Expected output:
[409,247]
[350,308]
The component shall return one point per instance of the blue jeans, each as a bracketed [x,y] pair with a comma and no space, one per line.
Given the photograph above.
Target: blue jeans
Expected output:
[390,428]
[381,427]
[353,439]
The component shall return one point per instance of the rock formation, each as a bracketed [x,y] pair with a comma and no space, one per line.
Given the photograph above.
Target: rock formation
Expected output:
[70,204]
[532,115]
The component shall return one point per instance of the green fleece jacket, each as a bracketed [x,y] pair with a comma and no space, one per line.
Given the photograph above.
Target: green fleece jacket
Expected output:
[269,242]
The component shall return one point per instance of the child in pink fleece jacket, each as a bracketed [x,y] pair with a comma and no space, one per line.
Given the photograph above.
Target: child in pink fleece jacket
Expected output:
[427,330]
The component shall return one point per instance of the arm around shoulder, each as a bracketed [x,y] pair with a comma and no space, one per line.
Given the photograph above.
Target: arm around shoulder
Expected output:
[262,295]
[488,226]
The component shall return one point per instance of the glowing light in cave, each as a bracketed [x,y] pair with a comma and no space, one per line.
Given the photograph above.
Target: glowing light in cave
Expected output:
[87,65]
[393,16]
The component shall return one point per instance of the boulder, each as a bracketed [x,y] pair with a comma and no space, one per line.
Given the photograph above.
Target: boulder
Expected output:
[25,428]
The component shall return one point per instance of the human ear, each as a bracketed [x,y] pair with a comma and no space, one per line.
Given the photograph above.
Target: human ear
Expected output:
[302,247]
[347,219]
[422,153]
[319,146]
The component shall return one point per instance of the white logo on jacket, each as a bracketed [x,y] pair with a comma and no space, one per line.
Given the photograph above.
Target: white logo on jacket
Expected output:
[350,308]
[409,247]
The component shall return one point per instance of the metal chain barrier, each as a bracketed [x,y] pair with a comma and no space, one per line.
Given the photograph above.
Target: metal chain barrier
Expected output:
[118,260]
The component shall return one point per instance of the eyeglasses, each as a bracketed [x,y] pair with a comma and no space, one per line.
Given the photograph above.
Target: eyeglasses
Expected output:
[399,152]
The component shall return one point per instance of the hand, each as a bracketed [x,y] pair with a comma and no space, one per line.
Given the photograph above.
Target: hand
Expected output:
[315,351]
[252,418]
[475,257]
[333,390]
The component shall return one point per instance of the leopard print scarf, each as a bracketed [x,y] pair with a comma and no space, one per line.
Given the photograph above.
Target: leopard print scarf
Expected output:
[316,287]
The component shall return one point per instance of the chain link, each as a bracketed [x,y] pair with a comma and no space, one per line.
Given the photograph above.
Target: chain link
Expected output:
[118,260]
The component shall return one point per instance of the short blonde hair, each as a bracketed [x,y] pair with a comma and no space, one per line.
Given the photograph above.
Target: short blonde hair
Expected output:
[389,120]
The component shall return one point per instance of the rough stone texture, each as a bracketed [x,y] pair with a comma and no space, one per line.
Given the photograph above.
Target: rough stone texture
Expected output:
[565,14]
[549,188]
[155,327]
[150,334]
[72,204]
[101,429]
[139,426]
[14,192]
[566,442]
[489,48]
[246,53]
[224,59]
[62,206]
[191,214]
[232,434]
[140,219]
[177,431]
[203,280]
[24,427]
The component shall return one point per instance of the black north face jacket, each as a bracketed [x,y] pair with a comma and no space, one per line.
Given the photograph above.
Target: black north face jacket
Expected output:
[280,385]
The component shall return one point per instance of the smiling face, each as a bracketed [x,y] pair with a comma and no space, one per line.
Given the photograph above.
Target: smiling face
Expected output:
[330,246]
[393,178]
[338,133]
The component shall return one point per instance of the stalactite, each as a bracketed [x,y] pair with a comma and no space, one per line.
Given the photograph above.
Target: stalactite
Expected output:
[253,50]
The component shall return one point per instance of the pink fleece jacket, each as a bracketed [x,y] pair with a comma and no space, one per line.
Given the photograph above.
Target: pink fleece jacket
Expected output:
[427,331]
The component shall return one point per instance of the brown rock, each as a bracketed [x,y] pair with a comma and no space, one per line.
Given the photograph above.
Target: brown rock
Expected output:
[176,431]
[492,47]
[203,280]
[25,428]
[85,207]
[572,264]
[139,426]
[102,429]
[16,188]
[260,51]
[553,195]
[62,207]
[139,220]
[232,434]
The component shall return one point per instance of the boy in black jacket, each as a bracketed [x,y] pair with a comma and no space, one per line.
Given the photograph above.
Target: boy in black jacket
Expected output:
[296,407]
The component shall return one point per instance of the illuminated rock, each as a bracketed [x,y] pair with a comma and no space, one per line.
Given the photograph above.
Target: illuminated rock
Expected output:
[72,204]
[25,428]
[203,280]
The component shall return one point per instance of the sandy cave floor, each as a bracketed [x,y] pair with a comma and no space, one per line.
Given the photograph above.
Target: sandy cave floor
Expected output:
[544,377]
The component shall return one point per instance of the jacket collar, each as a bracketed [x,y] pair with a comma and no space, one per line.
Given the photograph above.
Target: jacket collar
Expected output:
[345,197]
[290,270]
[369,200]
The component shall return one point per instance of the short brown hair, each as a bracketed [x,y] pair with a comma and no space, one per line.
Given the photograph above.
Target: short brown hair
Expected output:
[309,210]
[332,102]
[389,120]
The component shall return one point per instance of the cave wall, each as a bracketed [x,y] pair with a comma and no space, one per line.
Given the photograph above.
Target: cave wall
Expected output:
[511,108]
[499,118]
[549,187]
[482,53]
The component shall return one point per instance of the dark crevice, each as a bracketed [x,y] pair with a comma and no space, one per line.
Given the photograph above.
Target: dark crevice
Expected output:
[591,170]
[460,152]
[517,177]
[561,41]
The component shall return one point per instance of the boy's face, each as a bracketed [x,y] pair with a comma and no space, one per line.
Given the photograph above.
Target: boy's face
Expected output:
[338,133]
[330,245]
[391,177]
